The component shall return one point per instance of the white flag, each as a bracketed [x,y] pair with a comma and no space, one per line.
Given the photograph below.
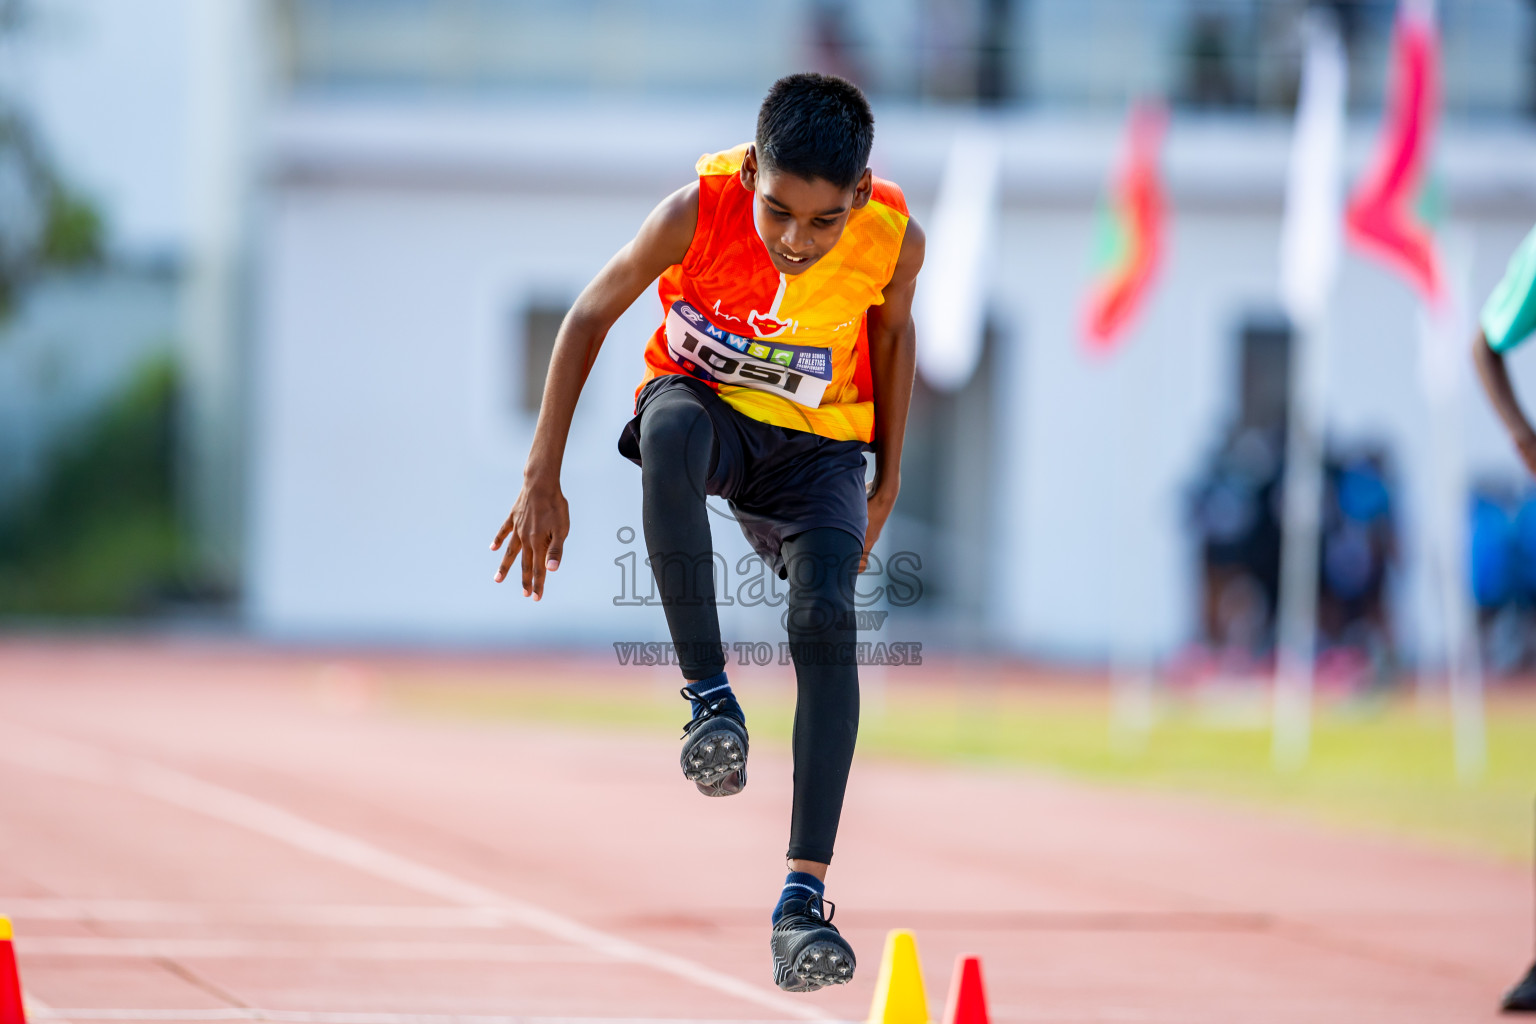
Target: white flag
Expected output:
[1310,235]
[950,305]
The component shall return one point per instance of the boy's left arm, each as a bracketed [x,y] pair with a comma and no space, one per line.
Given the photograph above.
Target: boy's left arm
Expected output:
[892,363]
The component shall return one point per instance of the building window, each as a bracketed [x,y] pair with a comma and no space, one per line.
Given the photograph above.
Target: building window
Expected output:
[1264,372]
[539,321]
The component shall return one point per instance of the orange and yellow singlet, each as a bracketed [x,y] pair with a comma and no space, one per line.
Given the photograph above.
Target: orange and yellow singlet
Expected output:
[788,350]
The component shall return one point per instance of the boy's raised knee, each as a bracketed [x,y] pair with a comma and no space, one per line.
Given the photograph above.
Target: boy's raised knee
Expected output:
[675,433]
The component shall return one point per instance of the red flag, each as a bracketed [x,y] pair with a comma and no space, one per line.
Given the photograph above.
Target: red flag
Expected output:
[1131,236]
[1381,218]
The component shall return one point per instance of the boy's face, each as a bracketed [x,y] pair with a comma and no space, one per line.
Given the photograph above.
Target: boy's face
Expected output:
[799,219]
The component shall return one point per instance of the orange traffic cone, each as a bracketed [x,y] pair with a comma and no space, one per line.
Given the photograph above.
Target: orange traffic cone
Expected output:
[10,982]
[967,997]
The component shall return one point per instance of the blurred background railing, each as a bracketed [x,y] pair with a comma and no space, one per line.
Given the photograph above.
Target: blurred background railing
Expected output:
[1227,55]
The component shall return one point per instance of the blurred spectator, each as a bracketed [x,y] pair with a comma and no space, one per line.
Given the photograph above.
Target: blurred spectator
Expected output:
[1236,510]
[1503,567]
[1236,517]
[1358,551]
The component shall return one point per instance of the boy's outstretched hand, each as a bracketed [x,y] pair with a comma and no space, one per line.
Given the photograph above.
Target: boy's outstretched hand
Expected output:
[536,526]
[539,519]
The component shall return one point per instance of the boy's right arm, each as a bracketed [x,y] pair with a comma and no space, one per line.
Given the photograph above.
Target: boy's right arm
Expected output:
[1501,393]
[539,521]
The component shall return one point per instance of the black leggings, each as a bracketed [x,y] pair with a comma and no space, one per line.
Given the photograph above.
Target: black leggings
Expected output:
[678,451]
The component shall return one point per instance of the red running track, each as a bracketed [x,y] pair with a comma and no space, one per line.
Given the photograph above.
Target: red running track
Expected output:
[194,836]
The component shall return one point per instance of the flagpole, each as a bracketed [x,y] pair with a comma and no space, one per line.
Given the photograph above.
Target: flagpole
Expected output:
[1444,377]
[1309,245]
[1131,677]
[1296,629]
[1110,311]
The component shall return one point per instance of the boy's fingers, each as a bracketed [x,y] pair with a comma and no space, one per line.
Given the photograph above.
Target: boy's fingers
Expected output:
[552,559]
[506,559]
[501,534]
[539,555]
[527,568]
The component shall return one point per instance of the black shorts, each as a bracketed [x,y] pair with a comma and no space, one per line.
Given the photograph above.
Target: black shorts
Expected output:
[778,481]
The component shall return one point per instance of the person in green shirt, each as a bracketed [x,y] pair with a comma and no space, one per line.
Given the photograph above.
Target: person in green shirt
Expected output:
[1509,318]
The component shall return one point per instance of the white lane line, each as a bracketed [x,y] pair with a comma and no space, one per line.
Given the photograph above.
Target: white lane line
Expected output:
[36,1009]
[247,949]
[31,908]
[69,759]
[326,1017]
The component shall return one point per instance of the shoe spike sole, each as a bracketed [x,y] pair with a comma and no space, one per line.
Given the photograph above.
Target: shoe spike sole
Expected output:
[716,762]
[816,966]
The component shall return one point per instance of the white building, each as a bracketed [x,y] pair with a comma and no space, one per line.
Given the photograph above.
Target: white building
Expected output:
[419,239]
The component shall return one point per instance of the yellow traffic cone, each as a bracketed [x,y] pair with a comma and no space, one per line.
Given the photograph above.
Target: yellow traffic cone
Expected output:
[899,997]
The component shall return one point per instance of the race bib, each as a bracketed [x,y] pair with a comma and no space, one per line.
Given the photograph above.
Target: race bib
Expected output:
[799,373]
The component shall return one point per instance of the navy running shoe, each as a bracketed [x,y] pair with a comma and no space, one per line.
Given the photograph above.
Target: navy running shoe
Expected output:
[808,953]
[714,754]
[1522,998]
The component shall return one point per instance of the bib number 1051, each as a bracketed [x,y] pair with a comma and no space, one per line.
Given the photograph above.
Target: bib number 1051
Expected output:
[726,359]
[723,365]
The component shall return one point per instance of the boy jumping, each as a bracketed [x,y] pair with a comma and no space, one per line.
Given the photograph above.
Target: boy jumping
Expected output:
[785,353]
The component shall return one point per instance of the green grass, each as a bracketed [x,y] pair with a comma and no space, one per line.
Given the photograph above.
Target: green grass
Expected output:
[1382,765]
